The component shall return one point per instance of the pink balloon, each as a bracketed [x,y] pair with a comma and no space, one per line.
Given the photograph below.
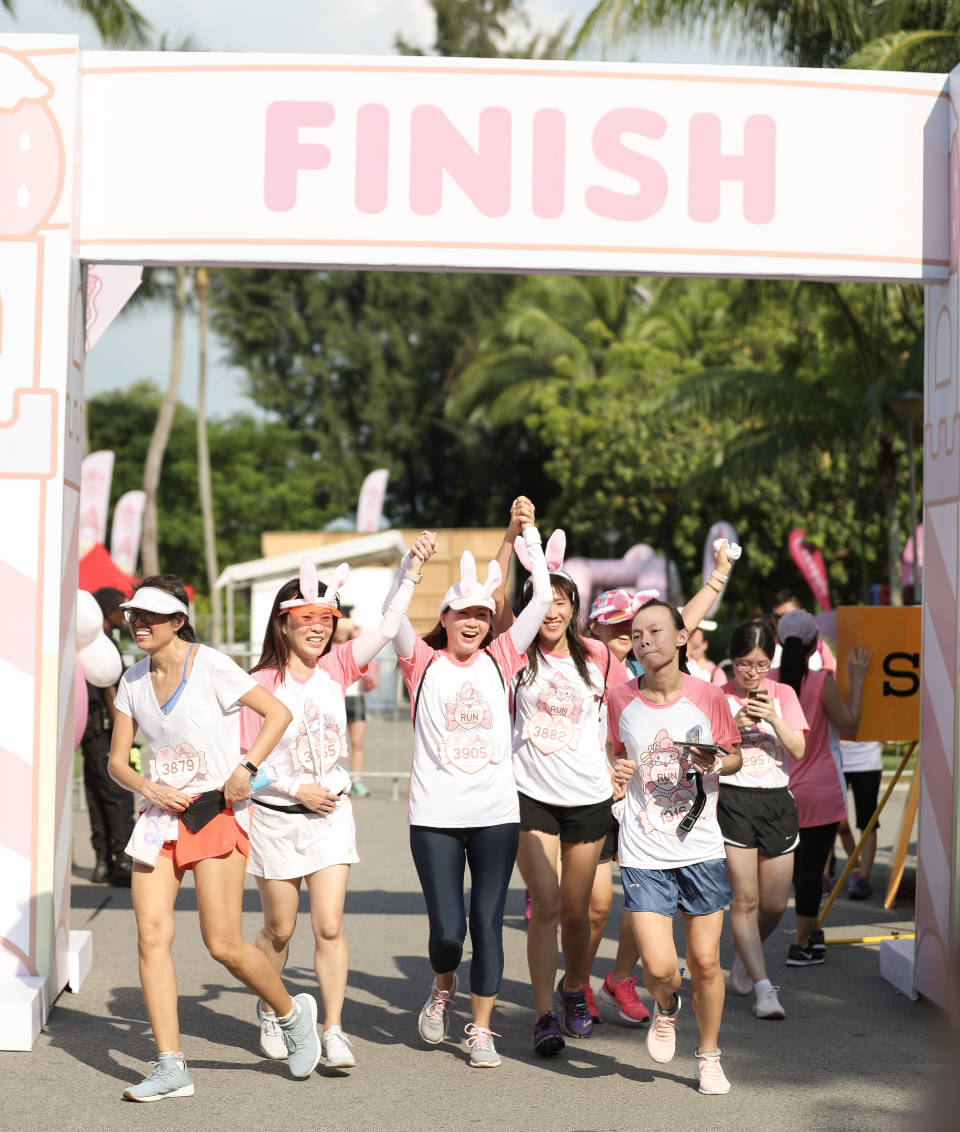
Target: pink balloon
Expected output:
[80,706]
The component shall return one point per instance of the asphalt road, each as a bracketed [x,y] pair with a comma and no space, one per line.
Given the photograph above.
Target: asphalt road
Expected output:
[851,1054]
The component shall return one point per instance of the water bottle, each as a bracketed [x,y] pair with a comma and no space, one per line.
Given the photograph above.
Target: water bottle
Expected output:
[265,776]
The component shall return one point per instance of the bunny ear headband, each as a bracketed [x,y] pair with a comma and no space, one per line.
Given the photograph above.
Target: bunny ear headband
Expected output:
[553,553]
[310,587]
[468,591]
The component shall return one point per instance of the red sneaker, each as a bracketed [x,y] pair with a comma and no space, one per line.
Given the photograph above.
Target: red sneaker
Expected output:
[592,1004]
[623,995]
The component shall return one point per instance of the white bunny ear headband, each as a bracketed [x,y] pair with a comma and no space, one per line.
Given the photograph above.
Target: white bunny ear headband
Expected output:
[310,587]
[553,554]
[468,591]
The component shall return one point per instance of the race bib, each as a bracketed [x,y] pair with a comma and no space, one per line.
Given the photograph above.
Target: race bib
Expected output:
[468,753]
[550,733]
[177,766]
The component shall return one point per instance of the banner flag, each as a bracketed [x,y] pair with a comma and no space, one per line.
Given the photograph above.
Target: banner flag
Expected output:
[96,475]
[125,532]
[810,564]
[370,506]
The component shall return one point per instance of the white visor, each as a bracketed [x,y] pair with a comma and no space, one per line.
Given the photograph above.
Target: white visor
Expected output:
[155,601]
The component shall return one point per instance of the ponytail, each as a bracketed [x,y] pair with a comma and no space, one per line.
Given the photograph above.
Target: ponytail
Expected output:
[793,663]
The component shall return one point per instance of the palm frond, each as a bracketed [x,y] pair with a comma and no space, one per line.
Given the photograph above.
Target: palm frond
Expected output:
[920,49]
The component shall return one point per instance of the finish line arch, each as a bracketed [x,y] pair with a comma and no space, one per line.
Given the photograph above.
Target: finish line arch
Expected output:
[459,165]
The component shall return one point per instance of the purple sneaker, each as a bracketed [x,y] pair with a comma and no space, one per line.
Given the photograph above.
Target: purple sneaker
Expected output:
[574,1011]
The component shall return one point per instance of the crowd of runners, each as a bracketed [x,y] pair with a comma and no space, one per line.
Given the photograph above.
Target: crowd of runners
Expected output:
[541,738]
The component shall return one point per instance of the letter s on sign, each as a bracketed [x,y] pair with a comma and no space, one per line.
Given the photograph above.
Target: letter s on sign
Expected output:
[910,675]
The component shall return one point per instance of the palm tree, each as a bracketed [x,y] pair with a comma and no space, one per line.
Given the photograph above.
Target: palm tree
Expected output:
[201,285]
[149,553]
[896,35]
[118,21]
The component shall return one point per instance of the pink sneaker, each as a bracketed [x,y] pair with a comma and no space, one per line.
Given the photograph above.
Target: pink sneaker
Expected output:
[592,1004]
[662,1035]
[623,995]
[713,1080]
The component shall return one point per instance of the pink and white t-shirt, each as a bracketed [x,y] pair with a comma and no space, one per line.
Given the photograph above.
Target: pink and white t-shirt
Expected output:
[462,773]
[315,742]
[660,794]
[197,746]
[765,762]
[559,754]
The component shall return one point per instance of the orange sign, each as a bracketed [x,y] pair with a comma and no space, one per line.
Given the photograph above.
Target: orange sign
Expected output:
[891,691]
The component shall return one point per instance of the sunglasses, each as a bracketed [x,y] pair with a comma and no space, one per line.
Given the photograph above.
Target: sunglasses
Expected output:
[311,615]
[144,616]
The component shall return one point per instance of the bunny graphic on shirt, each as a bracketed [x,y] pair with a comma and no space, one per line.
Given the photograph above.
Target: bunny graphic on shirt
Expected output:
[666,792]
[553,726]
[468,716]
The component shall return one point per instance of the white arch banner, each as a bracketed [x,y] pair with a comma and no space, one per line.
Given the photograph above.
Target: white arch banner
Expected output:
[441,164]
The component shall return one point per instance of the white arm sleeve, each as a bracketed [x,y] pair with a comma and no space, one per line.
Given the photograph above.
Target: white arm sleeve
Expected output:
[404,637]
[527,625]
[372,640]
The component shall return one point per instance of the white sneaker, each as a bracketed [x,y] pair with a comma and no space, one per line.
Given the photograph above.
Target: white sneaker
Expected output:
[740,981]
[433,1023]
[713,1081]
[337,1052]
[272,1044]
[767,1005]
[483,1053]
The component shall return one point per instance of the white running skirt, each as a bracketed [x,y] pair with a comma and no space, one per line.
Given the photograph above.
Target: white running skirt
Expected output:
[287,846]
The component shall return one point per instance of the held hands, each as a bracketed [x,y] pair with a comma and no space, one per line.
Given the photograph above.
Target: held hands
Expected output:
[858,663]
[706,762]
[237,786]
[522,515]
[317,798]
[423,549]
[167,797]
[760,707]
[623,771]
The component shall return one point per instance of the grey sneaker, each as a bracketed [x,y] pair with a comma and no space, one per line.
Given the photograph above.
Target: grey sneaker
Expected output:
[337,1051]
[433,1022]
[483,1053]
[168,1079]
[272,1044]
[300,1035]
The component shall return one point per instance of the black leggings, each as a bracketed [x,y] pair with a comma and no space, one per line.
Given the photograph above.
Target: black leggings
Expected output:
[440,856]
[811,856]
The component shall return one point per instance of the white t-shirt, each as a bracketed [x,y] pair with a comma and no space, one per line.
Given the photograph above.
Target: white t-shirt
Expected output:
[659,794]
[856,756]
[559,754]
[462,773]
[315,741]
[765,762]
[197,746]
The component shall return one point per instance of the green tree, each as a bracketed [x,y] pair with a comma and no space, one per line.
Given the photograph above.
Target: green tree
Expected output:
[260,478]
[914,35]
[118,21]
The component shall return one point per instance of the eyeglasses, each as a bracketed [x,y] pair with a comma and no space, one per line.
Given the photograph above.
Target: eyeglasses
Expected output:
[749,666]
[311,615]
[145,616]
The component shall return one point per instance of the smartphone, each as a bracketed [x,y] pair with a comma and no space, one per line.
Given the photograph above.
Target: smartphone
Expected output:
[757,694]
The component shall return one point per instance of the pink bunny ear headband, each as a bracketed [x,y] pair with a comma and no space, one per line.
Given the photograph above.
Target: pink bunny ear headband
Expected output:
[310,587]
[468,591]
[553,554]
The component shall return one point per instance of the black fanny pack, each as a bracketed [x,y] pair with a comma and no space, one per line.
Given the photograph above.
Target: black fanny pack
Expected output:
[203,809]
[296,807]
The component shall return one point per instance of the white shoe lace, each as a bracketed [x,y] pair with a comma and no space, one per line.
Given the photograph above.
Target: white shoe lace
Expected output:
[664,1025]
[479,1037]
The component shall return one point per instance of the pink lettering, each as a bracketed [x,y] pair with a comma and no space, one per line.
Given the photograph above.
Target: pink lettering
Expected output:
[612,153]
[373,153]
[483,174]
[549,163]
[756,168]
[285,155]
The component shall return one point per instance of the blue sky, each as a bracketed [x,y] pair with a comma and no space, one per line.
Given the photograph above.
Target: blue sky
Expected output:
[138,344]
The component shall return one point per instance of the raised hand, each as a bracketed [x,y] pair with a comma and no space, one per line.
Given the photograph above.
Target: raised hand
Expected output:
[859,662]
